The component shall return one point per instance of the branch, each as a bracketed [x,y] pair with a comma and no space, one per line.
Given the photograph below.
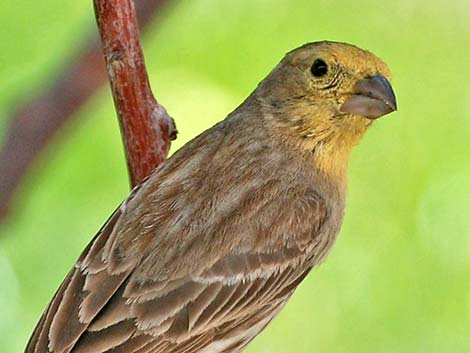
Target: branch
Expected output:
[145,125]
[37,121]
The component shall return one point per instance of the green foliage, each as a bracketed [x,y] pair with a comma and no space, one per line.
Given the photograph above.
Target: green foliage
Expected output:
[398,277]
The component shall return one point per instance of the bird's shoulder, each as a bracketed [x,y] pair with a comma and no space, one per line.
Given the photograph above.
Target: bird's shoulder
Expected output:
[220,225]
[218,196]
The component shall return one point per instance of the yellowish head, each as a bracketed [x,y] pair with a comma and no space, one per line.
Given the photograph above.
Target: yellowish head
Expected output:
[323,96]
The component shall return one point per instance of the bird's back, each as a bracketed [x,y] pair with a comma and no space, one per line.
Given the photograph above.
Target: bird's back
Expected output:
[200,258]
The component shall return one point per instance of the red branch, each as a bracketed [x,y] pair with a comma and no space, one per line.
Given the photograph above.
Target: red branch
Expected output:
[145,125]
[36,121]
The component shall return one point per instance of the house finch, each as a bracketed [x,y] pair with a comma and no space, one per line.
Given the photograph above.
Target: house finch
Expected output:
[203,254]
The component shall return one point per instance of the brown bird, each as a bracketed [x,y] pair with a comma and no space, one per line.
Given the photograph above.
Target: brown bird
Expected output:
[203,254]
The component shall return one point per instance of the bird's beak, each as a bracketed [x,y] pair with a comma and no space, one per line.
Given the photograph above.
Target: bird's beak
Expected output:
[372,98]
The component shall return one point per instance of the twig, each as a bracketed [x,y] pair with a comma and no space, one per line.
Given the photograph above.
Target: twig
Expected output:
[145,125]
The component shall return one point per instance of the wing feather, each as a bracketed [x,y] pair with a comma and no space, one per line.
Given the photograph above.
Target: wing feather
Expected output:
[73,308]
[116,310]
[152,313]
[69,307]
[208,296]
[134,344]
[106,339]
[109,303]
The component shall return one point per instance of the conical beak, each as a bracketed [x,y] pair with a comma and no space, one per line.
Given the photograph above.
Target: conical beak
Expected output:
[372,98]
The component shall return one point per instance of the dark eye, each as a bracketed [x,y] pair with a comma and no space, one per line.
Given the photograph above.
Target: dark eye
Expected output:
[319,68]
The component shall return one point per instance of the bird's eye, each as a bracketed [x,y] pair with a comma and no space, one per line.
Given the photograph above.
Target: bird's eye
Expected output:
[319,68]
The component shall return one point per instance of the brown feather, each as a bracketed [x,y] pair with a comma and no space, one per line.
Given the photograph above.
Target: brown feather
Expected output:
[198,306]
[116,310]
[133,344]
[106,339]
[66,316]
[152,313]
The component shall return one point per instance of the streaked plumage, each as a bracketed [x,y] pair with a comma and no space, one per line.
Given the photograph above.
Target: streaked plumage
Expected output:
[202,255]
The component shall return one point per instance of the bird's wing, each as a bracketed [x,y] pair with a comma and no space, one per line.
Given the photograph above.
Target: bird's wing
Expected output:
[98,308]
[205,261]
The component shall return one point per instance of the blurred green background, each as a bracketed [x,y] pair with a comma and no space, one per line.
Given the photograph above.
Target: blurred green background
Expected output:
[398,277]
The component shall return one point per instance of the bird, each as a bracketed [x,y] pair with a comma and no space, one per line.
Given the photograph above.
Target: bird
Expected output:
[202,255]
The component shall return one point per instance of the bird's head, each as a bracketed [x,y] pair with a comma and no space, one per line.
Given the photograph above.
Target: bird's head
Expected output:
[323,96]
